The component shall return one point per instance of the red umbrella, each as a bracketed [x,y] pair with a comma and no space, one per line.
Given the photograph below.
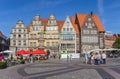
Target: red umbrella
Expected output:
[28,52]
[21,52]
[39,52]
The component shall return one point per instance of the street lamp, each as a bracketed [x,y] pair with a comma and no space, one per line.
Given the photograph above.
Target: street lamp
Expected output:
[3,42]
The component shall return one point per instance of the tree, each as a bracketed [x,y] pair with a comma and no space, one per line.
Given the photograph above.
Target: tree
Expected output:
[116,44]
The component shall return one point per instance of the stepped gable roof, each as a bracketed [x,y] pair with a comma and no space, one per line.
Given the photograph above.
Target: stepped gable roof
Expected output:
[60,24]
[82,17]
[74,24]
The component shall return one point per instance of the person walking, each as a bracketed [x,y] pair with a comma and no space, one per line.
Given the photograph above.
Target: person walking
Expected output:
[92,59]
[86,59]
[98,58]
[95,58]
[104,57]
[70,57]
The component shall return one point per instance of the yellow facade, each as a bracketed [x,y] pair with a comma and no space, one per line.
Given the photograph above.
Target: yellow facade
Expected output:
[36,34]
[52,35]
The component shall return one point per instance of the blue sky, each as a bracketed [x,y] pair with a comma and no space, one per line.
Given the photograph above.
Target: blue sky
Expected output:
[13,10]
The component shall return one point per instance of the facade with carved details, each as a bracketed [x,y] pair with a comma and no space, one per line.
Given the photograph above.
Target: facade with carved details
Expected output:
[68,36]
[19,37]
[52,35]
[91,32]
[79,33]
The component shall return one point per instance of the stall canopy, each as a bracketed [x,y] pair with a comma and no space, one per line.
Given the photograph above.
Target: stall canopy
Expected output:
[8,51]
[21,52]
[39,52]
[30,52]
[64,52]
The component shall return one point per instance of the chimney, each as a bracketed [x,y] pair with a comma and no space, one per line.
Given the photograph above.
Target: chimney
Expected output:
[91,13]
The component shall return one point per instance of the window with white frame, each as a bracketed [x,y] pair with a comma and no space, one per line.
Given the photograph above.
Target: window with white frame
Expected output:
[24,35]
[56,43]
[14,42]
[41,36]
[93,24]
[24,42]
[30,44]
[53,36]
[67,29]
[41,43]
[63,29]
[71,29]
[89,19]
[53,44]
[48,44]
[89,25]
[19,42]
[47,36]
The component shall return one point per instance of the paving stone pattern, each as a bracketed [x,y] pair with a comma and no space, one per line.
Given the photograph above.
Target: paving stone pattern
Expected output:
[61,69]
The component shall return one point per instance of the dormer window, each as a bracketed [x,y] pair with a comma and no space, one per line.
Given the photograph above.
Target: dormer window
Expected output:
[51,22]
[63,29]
[19,25]
[19,30]
[89,19]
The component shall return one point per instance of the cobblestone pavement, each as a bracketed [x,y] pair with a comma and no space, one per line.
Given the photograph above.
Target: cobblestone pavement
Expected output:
[61,69]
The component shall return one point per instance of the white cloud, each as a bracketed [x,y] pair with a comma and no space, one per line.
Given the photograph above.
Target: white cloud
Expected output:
[100,7]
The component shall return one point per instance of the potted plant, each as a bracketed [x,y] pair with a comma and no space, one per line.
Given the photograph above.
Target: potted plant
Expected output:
[22,61]
[2,65]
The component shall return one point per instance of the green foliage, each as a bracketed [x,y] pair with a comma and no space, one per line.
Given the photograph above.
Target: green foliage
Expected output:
[22,61]
[2,63]
[116,44]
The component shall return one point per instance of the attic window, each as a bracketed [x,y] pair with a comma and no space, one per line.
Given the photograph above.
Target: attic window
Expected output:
[19,30]
[89,19]
[19,25]
[71,29]
[67,21]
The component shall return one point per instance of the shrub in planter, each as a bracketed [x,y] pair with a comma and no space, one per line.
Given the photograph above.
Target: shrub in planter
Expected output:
[2,65]
[22,61]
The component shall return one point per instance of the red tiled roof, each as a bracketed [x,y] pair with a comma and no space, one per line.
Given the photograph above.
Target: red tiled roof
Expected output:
[60,24]
[98,22]
[28,28]
[44,22]
[82,17]
[2,34]
[74,25]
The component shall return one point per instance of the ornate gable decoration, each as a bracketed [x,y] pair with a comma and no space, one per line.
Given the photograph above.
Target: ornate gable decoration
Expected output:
[20,24]
[36,21]
[67,26]
[52,20]
[89,23]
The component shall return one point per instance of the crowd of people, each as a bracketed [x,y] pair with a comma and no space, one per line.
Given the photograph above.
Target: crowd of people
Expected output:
[95,58]
[92,58]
